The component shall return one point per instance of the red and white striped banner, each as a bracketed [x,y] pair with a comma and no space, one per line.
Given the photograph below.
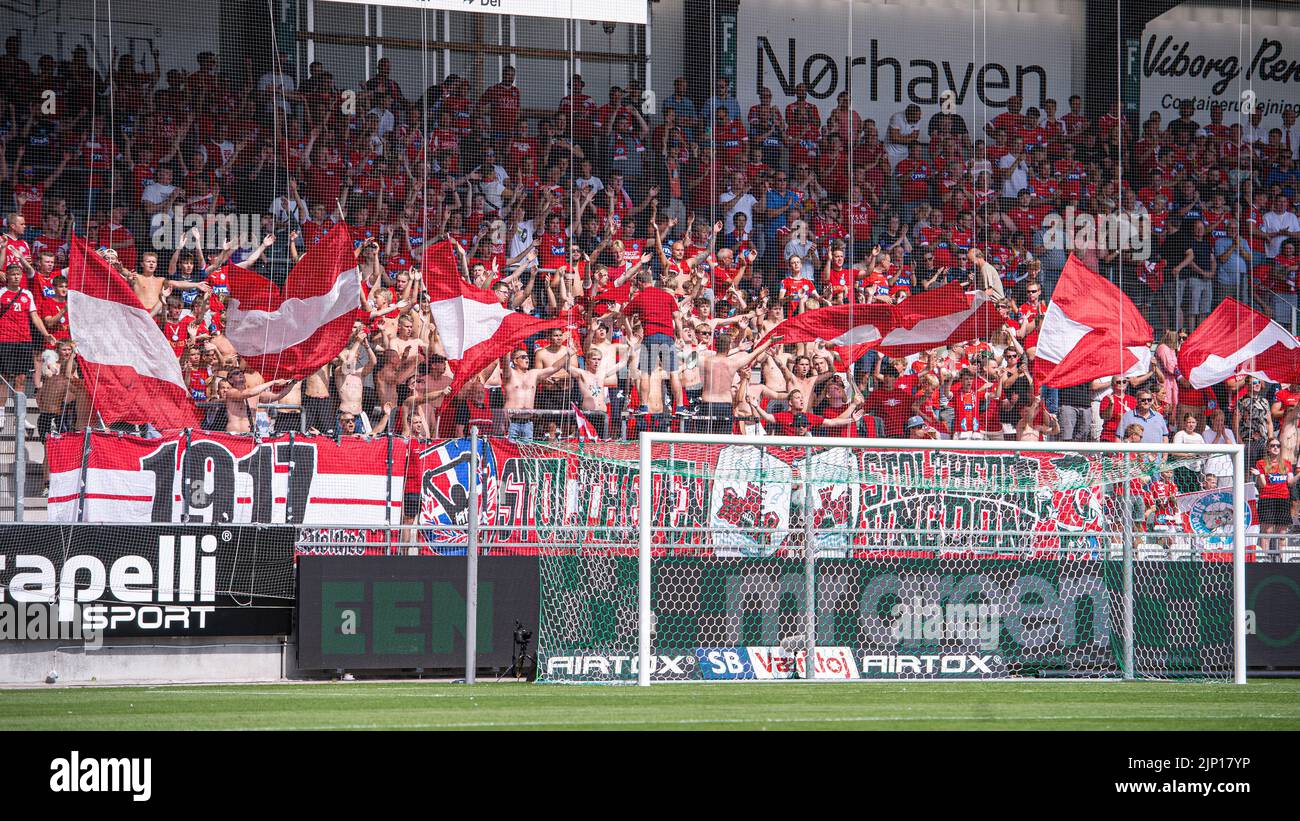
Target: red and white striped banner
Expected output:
[217,478]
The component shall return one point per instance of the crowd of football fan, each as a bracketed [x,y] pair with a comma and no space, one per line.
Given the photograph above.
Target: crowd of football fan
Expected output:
[672,241]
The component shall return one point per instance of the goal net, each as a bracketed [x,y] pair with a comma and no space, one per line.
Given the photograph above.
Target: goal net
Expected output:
[890,559]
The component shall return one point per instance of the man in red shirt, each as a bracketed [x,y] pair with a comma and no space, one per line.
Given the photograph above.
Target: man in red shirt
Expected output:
[16,250]
[890,402]
[17,310]
[798,421]
[802,111]
[914,175]
[579,109]
[502,102]
[656,308]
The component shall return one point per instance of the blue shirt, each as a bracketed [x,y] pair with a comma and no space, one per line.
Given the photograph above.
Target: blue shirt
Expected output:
[714,103]
[1231,270]
[775,199]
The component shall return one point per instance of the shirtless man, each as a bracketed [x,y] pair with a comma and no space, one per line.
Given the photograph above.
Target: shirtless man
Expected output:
[350,377]
[618,353]
[657,410]
[148,285]
[288,417]
[429,389]
[591,384]
[519,386]
[803,376]
[689,352]
[404,354]
[55,398]
[316,401]
[554,391]
[241,399]
[719,372]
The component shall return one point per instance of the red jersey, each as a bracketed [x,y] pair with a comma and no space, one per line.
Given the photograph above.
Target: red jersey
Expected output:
[1113,408]
[914,179]
[861,218]
[52,307]
[894,406]
[656,307]
[19,308]
[177,333]
[785,422]
[1276,479]
[966,411]
[796,290]
[503,106]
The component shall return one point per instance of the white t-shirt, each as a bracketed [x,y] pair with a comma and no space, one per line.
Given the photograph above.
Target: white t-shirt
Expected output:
[285,209]
[155,193]
[593,183]
[522,238]
[492,191]
[897,152]
[1017,179]
[799,248]
[1273,221]
[745,205]
[279,84]
[1219,464]
[1182,437]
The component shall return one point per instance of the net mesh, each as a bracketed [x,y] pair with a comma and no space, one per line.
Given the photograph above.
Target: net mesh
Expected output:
[925,564]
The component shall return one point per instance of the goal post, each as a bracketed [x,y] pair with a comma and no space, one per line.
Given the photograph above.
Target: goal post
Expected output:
[729,557]
[646,529]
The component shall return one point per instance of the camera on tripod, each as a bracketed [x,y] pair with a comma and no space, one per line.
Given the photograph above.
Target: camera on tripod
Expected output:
[520,657]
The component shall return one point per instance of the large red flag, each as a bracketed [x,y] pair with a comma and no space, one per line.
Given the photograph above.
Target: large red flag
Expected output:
[290,334]
[944,316]
[1090,331]
[475,328]
[129,367]
[931,319]
[1238,339]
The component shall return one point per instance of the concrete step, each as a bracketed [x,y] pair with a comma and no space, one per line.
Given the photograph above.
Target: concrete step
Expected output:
[34,503]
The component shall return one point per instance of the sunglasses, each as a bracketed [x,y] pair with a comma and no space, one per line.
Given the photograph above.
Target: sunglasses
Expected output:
[1144,400]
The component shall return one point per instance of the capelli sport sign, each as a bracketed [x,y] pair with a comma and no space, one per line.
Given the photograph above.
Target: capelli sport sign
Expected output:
[142,581]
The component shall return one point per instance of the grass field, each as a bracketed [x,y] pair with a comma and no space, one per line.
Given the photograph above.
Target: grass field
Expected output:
[1261,705]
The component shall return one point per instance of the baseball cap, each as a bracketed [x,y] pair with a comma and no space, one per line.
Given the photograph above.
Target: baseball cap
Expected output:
[915,422]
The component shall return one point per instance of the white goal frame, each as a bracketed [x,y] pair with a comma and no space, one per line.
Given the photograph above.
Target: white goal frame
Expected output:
[645,513]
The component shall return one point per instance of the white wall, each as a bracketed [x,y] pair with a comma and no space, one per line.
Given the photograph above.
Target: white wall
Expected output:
[178,30]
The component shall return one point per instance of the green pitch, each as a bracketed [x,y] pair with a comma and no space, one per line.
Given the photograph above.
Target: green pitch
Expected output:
[1261,705]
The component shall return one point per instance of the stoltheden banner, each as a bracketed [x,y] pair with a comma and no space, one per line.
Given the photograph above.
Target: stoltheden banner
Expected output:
[152,581]
[534,498]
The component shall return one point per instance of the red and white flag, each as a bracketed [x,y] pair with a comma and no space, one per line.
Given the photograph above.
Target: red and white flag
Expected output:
[475,328]
[931,319]
[129,367]
[586,430]
[855,328]
[1238,339]
[1090,331]
[944,316]
[291,334]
